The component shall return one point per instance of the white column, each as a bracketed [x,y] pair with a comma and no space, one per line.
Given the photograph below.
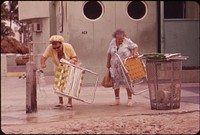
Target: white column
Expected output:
[3,65]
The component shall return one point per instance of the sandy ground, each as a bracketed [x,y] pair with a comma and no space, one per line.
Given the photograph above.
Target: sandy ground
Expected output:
[183,123]
[99,117]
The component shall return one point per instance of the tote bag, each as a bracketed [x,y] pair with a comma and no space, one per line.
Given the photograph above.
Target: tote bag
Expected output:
[107,80]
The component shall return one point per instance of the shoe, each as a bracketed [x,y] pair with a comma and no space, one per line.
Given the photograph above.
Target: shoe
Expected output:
[58,106]
[130,103]
[69,107]
[117,102]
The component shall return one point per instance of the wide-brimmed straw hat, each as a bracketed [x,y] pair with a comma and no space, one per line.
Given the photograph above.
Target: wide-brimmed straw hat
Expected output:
[56,38]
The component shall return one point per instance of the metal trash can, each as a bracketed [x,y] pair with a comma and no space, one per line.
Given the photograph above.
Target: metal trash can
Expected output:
[164,82]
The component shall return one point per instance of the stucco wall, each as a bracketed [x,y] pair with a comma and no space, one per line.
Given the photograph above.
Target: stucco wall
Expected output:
[33,9]
[39,12]
[91,39]
[41,42]
[3,65]
[183,36]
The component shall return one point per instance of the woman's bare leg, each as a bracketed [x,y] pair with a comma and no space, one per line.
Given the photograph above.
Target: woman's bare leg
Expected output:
[117,99]
[129,94]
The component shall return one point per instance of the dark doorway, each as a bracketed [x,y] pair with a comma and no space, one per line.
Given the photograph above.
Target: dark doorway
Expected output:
[174,9]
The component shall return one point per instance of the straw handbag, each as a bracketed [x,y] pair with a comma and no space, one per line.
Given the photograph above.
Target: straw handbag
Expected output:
[107,80]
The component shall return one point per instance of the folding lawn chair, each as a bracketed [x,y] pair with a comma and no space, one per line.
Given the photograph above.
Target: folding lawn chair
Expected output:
[134,72]
[69,82]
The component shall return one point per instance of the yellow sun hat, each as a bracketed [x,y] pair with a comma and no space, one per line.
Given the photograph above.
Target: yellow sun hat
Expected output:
[56,38]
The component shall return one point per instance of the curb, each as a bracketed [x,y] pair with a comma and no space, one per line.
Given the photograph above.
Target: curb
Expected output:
[15,74]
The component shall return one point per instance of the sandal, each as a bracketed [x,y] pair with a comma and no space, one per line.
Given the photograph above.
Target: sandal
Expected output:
[69,107]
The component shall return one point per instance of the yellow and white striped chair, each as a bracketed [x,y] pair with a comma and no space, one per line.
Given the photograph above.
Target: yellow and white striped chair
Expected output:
[68,81]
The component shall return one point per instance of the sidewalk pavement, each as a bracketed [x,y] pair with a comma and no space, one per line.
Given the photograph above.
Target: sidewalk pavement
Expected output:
[13,103]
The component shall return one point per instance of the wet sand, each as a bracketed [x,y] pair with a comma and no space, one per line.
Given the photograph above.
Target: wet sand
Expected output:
[98,117]
[186,123]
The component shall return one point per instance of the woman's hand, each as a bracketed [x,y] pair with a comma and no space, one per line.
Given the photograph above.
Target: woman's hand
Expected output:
[43,65]
[108,65]
[73,60]
[136,54]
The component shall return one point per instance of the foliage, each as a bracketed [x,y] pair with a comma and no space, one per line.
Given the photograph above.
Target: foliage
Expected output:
[9,13]
[5,30]
[14,11]
[4,12]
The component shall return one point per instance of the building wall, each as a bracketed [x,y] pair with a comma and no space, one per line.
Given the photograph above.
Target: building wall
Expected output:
[3,65]
[39,12]
[192,10]
[182,36]
[91,39]
[41,40]
[33,9]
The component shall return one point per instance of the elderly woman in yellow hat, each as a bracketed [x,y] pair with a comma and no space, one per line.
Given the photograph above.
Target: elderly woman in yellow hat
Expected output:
[57,50]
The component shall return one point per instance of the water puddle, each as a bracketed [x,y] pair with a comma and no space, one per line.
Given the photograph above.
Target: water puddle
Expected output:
[12,118]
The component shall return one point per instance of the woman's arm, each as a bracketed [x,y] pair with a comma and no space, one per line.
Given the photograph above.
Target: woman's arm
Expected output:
[108,60]
[42,62]
[135,52]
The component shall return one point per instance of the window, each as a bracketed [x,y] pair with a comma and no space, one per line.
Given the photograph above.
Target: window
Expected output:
[136,10]
[92,10]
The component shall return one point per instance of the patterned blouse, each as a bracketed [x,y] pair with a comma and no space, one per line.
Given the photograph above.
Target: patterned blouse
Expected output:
[124,51]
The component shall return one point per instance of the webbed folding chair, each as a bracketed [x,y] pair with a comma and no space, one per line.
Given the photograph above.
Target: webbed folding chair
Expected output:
[68,82]
[134,72]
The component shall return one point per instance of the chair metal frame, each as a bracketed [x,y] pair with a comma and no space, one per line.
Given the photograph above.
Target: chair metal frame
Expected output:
[133,80]
[62,91]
